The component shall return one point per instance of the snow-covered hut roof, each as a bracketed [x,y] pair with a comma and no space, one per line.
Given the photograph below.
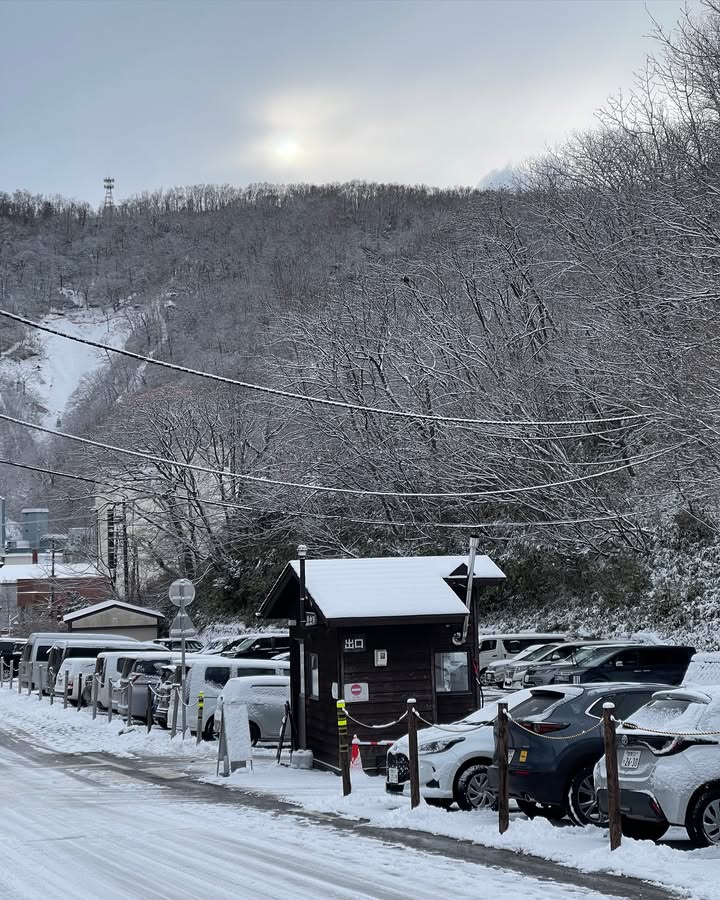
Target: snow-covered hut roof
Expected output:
[385,588]
[112,604]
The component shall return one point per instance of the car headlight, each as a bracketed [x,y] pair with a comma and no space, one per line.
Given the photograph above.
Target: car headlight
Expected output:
[439,746]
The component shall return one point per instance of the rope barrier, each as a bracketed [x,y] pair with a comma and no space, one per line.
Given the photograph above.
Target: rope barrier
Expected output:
[632,727]
[385,725]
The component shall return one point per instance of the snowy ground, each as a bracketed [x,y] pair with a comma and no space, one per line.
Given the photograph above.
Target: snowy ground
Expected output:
[55,373]
[83,832]
[693,873]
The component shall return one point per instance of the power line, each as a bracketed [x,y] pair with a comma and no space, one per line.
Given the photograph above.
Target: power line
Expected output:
[467,526]
[328,489]
[321,401]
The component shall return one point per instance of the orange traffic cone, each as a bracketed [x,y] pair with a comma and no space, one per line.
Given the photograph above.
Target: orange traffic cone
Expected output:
[355,759]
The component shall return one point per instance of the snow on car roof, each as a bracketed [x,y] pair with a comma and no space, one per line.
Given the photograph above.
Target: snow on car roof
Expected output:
[704,669]
[390,587]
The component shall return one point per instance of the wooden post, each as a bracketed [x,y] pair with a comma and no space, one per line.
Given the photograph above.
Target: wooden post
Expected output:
[2,669]
[201,708]
[94,694]
[53,679]
[110,699]
[149,710]
[65,692]
[174,694]
[613,783]
[80,690]
[40,685]
[502,752]
[413,754]
[12,673]
[20,668]
[343,747]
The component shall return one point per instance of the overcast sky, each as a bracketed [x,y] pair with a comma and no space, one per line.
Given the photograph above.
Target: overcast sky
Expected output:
[171,93]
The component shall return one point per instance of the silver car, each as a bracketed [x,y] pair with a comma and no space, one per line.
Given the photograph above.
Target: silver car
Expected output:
[669,766]
[140,673]
[265,697]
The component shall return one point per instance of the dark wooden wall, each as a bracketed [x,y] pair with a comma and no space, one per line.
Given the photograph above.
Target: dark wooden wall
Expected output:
[409,673]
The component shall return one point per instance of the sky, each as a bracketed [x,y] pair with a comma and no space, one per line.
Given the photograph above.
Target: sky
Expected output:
[162,93]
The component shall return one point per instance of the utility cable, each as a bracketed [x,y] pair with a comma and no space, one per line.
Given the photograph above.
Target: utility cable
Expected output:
[467,526]
[321,401]
[329,489]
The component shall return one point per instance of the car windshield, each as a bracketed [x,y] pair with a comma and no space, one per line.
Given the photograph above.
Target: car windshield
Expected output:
[587,656]
[536,652]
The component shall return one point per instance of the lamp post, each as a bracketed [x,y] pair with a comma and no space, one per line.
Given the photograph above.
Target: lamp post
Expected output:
[302,556]
[300,718]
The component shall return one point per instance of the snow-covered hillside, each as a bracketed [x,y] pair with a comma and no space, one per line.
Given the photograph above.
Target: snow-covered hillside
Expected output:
[54,372]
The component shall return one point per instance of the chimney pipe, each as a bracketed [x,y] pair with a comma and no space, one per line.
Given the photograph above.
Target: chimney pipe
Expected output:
[34,557]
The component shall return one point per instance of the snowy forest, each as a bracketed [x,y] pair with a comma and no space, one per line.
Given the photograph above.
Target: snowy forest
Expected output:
[542,361]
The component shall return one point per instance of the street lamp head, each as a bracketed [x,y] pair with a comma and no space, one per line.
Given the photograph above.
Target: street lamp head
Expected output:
[301,551]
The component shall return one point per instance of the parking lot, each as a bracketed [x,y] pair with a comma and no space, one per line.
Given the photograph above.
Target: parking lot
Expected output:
[53,745]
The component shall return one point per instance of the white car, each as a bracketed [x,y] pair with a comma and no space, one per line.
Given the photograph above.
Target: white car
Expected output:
[70,670]
[507,646]
[265,697]
[494,674]
[673,777]
[454,759]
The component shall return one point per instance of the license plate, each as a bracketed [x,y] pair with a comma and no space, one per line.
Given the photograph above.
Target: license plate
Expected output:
[507,683]
[630,759]
[393,776]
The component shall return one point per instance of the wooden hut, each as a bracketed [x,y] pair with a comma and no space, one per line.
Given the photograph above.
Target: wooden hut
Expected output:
[375,632]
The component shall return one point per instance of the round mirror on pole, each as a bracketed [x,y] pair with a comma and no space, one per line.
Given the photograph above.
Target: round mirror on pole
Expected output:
[182,592]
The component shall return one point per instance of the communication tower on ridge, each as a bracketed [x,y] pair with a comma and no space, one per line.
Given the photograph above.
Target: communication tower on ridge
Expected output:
[109,204]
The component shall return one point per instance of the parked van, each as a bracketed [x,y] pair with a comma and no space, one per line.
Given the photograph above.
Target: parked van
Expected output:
[265,697]
[139,670]
[70,670]
[62,650]
[505,646]
[210,674]
[34,659]
[109,668]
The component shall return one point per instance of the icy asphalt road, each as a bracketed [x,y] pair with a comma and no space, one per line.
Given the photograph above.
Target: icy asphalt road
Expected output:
[83,829]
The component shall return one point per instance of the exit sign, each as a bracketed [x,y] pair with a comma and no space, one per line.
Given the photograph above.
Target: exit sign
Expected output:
[354,644]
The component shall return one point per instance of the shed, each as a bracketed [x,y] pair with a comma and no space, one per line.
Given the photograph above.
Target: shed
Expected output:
[116,617]
[375,632]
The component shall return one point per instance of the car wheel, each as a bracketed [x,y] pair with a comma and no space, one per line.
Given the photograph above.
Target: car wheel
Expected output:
[583,807]
[209,730]
[640,830]
[254,734]
[703,824]
[533,810]
[473,791]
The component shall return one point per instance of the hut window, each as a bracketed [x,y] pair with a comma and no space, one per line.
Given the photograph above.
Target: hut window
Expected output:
[451,672]
[314,676]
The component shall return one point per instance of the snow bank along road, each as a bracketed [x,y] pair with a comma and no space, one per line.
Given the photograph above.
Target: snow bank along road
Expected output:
[89,825]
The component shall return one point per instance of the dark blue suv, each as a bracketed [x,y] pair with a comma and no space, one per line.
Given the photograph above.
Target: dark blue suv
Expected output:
[552,759]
